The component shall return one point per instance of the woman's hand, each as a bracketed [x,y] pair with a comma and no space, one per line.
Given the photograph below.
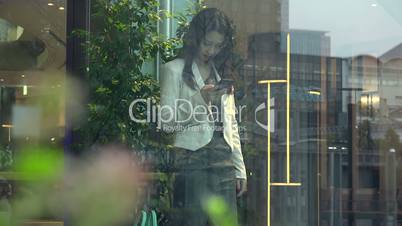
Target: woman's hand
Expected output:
[241,187]
[208,88]
[230,90]
[206,92]
[209,91]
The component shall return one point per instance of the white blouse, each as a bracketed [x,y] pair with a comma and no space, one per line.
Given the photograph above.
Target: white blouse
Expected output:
[183,111]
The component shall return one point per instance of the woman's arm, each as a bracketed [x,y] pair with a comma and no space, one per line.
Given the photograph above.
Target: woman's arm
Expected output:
[237,153]
[241,175]
[237,156]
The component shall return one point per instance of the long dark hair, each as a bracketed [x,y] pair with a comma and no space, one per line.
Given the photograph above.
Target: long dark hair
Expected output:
[207,20]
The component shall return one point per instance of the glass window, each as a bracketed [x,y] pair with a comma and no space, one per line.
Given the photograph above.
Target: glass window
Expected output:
[332,102]
[223,112]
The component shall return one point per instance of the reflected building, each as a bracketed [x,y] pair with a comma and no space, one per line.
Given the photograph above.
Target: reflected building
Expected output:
[337,136]
[308,42]
[284,15]
[315,92]
[391,80]
[253,16]
[341,109]
[362,172]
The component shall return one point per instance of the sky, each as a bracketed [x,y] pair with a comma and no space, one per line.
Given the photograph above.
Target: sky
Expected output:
[354,26]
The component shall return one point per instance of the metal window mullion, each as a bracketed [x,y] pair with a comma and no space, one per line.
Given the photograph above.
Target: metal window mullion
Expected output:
[164,29]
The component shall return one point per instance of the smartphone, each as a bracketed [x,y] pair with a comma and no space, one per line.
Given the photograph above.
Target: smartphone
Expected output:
[225,83]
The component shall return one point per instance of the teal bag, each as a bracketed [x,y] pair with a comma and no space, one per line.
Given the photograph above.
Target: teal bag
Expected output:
[147,219]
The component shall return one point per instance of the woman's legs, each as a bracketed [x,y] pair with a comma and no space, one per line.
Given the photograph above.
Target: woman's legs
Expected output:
[207,172]
[222,180]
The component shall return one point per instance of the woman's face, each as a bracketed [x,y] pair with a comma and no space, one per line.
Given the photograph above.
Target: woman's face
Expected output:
[210,46]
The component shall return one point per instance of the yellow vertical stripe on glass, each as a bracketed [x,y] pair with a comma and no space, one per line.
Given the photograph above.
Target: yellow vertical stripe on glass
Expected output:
[287,183]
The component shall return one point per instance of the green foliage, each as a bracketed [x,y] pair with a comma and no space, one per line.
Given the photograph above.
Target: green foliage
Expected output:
[6,157]
[124,38]
[170,48]
[183,19]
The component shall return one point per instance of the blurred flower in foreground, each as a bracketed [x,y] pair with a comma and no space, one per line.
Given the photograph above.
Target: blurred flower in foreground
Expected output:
[100,190]
[219,212]
[38,170]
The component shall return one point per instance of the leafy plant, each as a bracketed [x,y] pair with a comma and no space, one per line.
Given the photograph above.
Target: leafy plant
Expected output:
[6,157]
[124,38]
[172,46]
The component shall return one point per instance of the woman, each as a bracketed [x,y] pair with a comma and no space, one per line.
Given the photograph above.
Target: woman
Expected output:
[200,111]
